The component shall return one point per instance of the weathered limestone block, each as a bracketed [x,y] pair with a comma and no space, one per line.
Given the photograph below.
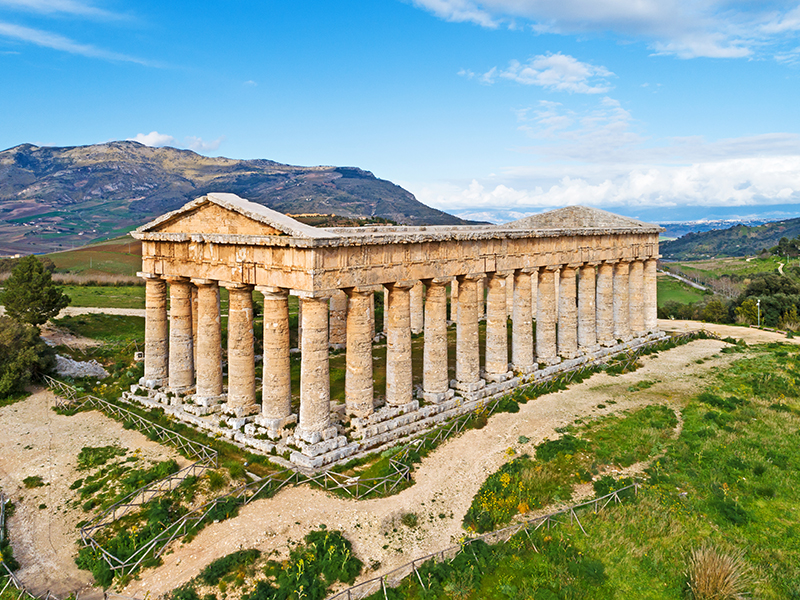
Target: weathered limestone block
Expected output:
[276,395]
[567,314]
[156,355]
[209,343]
[338,320]
[622,329]
[522,327]
[358,385]
[496,328]
[587,310]
[399,388]
[650,295]
[315,382]
[546,313]
[605,304]
[468,376]
[434,375]
[241,352]
[181,353]
[636,298]
[417,315]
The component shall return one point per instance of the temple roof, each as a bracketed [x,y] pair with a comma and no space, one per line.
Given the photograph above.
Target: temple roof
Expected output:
[239,216]
[574,217]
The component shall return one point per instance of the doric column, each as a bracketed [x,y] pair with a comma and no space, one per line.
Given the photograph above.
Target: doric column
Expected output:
[358,391]
[650,295]
[372,314]
[398,345]
[454,301]
[522,328]
[546,312]
[195,311]
[605,303]
[181,359]
[315,381]
[534,290]
[241,351]
[338,320]
[468,361]
[417,316]
[156,332]
[435,381]
[481,292]
[496,328]
[622,329]
[510,297]
[636,298]
[385,307]
[209,342]
[587,309]
[567,314]
[276,403]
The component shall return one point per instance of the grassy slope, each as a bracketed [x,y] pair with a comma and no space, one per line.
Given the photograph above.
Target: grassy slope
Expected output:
[120,256]
[670,289]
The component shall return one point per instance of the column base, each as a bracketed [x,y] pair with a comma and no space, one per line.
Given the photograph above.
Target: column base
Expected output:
[463,386]
[313,436]
[238,422]
[497,377]
[437,397]
[239,411]
[527,370]
[548,361]
[275,427]
[153,384]
[209,400]
[608,343]
[587,350]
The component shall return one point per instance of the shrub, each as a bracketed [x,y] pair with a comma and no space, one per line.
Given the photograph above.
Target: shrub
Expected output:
[219,568]
[714,575]
[566,444]
[33,481]
[23,355]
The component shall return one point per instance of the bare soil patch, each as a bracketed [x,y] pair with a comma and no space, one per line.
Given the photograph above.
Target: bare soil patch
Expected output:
[37,441]
[749,335]
[445,482]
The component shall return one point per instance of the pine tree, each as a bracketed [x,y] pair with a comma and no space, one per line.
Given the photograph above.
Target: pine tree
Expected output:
[30,296]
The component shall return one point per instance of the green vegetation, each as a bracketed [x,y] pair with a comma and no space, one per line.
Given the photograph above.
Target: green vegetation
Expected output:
[33,481]
[6,551]
[119,296]
[673,290]
[29,295]
[715,515]
[23,356]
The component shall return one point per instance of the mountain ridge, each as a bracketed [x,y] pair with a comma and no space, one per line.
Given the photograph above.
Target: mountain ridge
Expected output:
[56,197]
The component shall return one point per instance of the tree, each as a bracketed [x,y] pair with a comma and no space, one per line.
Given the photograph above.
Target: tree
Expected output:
[715,311]
[747,313]
[30,296]
[23,354]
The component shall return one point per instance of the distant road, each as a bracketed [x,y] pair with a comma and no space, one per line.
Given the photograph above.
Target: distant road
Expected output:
[684,280]
[72,311]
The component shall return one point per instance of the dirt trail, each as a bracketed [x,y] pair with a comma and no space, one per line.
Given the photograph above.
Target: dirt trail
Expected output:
[751,336]
[445,482]
[37,441]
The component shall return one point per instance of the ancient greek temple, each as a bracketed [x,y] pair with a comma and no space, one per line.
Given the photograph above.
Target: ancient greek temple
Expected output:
[556,290]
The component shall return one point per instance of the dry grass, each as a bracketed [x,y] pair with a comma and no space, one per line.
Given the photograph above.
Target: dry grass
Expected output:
[715,575]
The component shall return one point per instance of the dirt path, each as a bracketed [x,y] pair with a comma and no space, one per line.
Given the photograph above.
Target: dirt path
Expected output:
[751,336]
[72,311]
[446,481]
[37,441]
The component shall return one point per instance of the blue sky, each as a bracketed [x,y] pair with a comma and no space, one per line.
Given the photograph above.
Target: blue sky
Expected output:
[484,108]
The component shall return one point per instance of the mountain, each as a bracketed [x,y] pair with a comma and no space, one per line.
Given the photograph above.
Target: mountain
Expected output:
[55,198]
[739,240]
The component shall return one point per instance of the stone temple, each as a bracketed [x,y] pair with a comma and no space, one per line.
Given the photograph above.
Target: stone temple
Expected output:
[557,290]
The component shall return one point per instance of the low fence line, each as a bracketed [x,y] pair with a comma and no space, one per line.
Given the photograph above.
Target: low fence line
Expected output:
[396,575]
[328,480]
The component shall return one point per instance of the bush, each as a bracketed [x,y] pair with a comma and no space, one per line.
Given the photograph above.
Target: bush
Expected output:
[23,355]
[219,568]
[713,575]
[566,444]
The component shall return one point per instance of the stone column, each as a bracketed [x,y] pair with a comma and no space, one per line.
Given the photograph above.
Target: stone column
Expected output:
[587,309]
[385,307]
[435,381]
[338,320]
[481,292]
[276,403]
[622,329]
[454,301]
[399,388]
[522,328]
[209,343]
[156,331]
[510,297]
[605,304]
[546,317]
[372,314]
[358,391]
[534,289]
[241,352]
[567,314]
[636,298]
[468,360]
[315,381]
[181,353]
[417,316]
[496,328]
[650,295]
[195,309]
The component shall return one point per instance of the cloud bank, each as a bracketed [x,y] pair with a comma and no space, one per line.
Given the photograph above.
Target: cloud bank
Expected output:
[158,140]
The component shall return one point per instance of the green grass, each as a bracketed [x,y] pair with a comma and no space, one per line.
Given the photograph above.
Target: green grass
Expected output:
[105,296]
[119,256]
[719,267]
[670,289]
[729,479]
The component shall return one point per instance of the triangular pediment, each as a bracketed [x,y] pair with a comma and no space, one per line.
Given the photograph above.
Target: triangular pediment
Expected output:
[578,217]
[228,214]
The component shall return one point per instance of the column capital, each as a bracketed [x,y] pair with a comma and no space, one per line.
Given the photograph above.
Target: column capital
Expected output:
[176,279]
[442,281]
[500,274]
[144,275]
[318,295]
[471,276]
[551,268]
[200,281]
[400,285]
[359,291]
[591,263]
[530,270]
[273,292]
[232,285]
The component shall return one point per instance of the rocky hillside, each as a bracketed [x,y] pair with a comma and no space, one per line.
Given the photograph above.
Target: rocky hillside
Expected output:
[54,198]
[740,240]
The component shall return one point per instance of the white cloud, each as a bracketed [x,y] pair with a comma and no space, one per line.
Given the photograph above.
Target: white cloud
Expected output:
[684,28]
[70,7]
[200,145]
[55,41]
[559,72]
[250,83]
[154,139]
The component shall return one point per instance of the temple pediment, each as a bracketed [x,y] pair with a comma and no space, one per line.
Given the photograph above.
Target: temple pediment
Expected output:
[574,217]
[228,214]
